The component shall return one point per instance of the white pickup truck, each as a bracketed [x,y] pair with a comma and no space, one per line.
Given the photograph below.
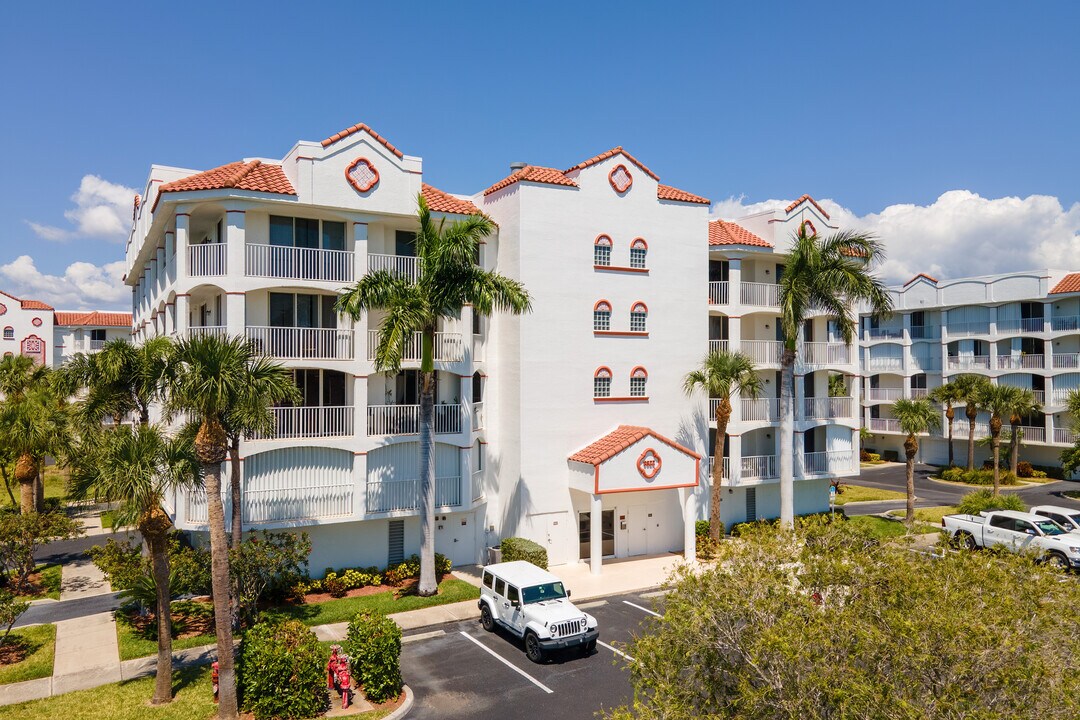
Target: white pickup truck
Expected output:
[532,604]
[1018,532]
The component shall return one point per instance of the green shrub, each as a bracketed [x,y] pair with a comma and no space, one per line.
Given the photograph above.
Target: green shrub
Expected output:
[978,477]
[891,455]
[374,645]
[983,500]
[125,566]
[953,474]
[121,562]
[515,548]
[1038,474]
[1024,469]
[701,527]
[281,674]
[1053,471]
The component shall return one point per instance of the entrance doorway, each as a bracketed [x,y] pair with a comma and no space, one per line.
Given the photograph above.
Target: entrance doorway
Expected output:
[607,532]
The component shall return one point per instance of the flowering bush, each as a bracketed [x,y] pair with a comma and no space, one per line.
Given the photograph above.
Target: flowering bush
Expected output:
[339,582]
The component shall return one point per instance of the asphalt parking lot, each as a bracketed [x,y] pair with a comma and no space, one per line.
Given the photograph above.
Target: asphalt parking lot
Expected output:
[460,671]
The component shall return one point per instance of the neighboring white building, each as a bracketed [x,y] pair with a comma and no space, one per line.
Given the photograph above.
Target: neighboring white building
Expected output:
[86,332]
[1020,328]
[27,328]
[568,425]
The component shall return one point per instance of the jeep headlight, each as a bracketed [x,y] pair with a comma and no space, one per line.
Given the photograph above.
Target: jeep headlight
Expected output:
[1075,550]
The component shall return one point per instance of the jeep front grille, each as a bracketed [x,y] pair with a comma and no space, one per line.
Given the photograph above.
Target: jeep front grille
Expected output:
[570,627]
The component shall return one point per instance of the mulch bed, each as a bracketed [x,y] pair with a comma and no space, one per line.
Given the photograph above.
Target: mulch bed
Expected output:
[13,651]
[185,624]
[33,587]
[406,588]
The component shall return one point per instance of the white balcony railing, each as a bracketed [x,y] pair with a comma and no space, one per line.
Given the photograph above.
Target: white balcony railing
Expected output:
[918,392]
[405,419]
[924,332]
[318,421]
[762,352]
[978,327]
[1019,362]
[758,467]
[478,485]
[827,408]
[301,501]
[394,495]
[1060,395]
[1066,360]
[293,343]
[824,353]
[1031,434]
[718,346]
[830,462]
[969,362]
[885,333]
[884,394]
[760,409]
[925,364]
[207,260]
[402,265]
[298,263]
[1068,323]
[478,416]
[887,363]
[449,347]
[759,294]
[718,293]
[891,425]
[197,331]
[1064,436]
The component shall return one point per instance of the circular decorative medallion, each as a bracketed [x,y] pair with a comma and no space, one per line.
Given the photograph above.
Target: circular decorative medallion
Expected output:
[648,464]
[620,178]
[36,322]
[362,175]
[3,308]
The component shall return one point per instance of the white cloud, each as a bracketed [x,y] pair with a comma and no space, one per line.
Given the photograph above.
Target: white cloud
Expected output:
[83,286]
[102,210]
[959,234]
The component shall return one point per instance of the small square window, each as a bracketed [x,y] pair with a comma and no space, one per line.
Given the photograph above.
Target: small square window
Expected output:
[601,319]
[602,255]
[602,386]
[637,257]
[637,321]
[637,387]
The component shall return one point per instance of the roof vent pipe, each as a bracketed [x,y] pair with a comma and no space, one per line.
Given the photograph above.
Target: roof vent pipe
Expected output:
[515,166]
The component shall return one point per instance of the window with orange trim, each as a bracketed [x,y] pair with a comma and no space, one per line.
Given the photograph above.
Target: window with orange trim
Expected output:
[602,383]
[602,250]
[601,315]
[638,378]
[639,315]
[638,250]
[9,333]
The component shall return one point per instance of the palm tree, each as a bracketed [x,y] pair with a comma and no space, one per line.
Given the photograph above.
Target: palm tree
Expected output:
[208,376]
[449,279]
[33,423]
[998,400]
[915,416]
[1025,404]
[721,375]
[121,379]
[948,395]
[1070,457]
[829,275]
[969,389]
[135,467]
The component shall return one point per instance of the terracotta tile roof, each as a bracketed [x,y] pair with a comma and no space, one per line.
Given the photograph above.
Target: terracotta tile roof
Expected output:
[806,198]
[28,304]
[1069,284]
[532,173]
[722,232]
[611,153]
[666,192]
[618,440]
[94,318]
[439,201]
[253,175]
[366,128]
[921,275]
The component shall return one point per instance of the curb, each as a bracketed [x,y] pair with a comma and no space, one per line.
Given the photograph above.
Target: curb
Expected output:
[405,706]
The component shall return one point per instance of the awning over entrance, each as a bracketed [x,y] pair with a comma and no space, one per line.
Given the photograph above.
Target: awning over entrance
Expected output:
[632,458]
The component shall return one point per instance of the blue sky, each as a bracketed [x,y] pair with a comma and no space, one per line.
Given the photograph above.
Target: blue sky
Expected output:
[872,105]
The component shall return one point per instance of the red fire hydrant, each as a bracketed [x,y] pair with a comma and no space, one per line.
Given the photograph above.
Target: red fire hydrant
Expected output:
[344,680]
[214,674]
[332,666]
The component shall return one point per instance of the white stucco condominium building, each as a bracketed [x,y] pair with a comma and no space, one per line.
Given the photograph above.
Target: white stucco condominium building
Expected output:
[567,425]
[1019,328]
[35,329]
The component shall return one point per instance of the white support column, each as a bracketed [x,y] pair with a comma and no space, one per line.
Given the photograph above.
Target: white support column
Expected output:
[360,249]
[235,240]
[690,526]
[798,460]
[181,240]
[465,463]
[182,302]
[360,480]
[596,535]
[360,404]
[235,313]
[467,410]
[734,283]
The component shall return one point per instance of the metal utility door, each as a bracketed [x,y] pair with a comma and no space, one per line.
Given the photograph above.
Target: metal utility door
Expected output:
[455,537]
[638,539]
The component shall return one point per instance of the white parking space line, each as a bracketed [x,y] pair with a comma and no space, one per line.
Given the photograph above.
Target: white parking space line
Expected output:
[423,636]
[507,663]
[655,593]
[593,604]
[654,614]
[601,643]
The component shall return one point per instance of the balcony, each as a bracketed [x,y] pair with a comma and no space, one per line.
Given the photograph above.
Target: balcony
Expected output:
[294,343]
[824,353]
[828,408]
[478,416]
[718,293]
[401,265]
[979,327]
[831,462]
[1030,433]
[885,333]
[887,364]
[925,364]
[207,260]
[198,331]
[718,346]
[1021,325]
[405,419]
[924,332]
[90,346]
[478,485]
[969,362]
[760,409]
[1063,436]
[759,294]
[884,394]
[758,467]
[394,495]
[1020,362]
[1066,360]
[298,263]
[1060,396]
[291,503]
[310,422]
[762,352]
[889,425]
[449,347]
[1068,323]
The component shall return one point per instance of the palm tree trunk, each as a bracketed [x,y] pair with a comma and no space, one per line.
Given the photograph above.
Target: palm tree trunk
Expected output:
[723,414]
[159,565]
[1014,447]
[26,475]
[786,445]
[428,584]
[949,415]
[971,441]
[211,449]
[234,491]
[911,447]
[996,441]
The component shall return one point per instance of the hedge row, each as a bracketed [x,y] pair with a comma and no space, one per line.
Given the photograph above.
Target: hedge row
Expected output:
[515,548]
[339,582]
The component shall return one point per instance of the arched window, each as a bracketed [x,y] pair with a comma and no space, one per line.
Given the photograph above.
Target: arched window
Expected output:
[9,333]
[602,382]
[638,316]
[638,378]
[477,388]
[601,315]
[602,250]
[638,249]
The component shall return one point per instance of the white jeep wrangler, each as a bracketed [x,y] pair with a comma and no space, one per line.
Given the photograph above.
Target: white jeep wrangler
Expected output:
[533,604]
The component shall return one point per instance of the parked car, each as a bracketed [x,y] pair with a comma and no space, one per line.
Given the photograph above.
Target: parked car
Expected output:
[1017,532]
[533,604]
[1068,518]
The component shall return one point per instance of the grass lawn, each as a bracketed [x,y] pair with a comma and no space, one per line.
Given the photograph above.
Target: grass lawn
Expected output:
[930,515]
[451,590]
[860,493]
[55,487]
[878,527]
[50,578]
[133,646]
[40,642]
[1074,494]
